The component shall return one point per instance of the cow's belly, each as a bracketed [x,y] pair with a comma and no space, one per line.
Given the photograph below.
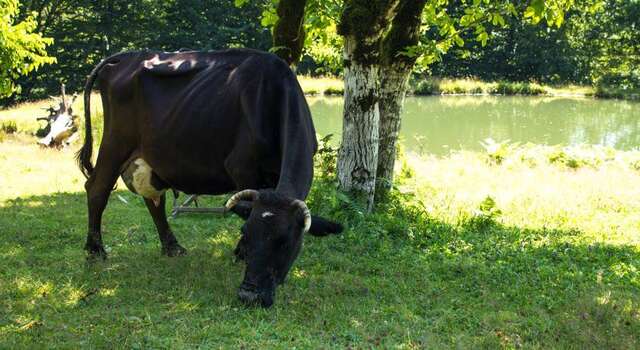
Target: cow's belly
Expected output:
[140,178]
[186,174]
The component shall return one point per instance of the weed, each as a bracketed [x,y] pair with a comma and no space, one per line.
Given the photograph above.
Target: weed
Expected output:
[497,151]
[9,127]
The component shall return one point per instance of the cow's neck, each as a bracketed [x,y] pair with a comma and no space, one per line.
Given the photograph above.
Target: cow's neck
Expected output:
[289,187]
[297,144]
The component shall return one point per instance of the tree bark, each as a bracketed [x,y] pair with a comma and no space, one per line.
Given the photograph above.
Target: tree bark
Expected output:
[395,71]
[393,87]
[362,25]
[358,156]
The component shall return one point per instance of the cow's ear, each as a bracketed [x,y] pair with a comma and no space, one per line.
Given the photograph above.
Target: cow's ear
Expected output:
[242,209]
[322,227]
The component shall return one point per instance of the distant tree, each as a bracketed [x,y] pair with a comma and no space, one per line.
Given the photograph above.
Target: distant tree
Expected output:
[612,35]
[22,49]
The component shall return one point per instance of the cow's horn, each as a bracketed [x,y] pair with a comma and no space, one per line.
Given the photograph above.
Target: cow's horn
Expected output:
[242,195]
[305,211]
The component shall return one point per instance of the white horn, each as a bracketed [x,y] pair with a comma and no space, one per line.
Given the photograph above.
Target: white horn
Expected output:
[242,195]
[305,211]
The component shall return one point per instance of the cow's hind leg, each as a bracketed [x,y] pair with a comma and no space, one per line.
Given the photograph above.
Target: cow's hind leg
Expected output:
[170,246]
[99,186]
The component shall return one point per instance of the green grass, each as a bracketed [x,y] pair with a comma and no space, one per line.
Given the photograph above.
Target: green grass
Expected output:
[435,86]
[517,246]
[321,85]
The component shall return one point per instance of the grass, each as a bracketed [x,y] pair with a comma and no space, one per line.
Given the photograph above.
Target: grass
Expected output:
[517,246]
[321,85]
[436,86]
[24,116]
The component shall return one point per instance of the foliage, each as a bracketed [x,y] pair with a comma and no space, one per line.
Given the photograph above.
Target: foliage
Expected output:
[427,87]
[22,48]
[596,45]
[446,25]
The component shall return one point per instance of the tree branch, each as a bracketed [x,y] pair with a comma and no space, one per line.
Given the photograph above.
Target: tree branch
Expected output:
[404,33]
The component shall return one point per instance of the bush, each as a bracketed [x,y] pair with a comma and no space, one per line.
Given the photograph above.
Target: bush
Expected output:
[427,87]
[332,90]
[519,88]
[311,91]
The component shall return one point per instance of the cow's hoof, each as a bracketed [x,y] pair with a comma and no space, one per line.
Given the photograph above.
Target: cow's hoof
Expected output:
[174,250]
[96,253]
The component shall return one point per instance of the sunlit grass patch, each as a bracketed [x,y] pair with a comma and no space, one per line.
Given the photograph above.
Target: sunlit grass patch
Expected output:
[321,85]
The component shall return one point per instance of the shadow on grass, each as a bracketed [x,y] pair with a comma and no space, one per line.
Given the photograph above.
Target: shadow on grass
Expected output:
[481,284]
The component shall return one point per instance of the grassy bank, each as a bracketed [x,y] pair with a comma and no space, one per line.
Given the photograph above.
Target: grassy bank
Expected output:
[321,85]
[435,86]
[334,86]
[609,92]
[516,246]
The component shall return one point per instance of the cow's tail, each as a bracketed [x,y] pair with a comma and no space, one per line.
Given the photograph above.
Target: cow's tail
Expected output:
[84,155]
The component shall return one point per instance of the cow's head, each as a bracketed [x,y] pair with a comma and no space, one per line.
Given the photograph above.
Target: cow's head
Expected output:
[271,239]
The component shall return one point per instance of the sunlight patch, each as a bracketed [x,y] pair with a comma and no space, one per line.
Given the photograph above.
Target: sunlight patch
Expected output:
[605,298]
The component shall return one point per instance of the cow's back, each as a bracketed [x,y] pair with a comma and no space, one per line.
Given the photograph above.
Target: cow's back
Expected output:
[189,112]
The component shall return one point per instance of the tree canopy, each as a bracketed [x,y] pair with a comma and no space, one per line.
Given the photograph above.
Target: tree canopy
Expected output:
[86,31]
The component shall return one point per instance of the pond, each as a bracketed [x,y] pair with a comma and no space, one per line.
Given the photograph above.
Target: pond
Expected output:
[439,124]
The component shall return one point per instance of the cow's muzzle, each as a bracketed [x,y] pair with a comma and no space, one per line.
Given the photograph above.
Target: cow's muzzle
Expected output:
[250,295]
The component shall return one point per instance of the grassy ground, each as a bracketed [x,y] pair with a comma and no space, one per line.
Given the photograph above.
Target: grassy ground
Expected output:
[527,246]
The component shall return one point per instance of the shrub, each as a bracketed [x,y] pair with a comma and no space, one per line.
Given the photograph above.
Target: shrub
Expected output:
[334,90]
[427,87]
[519,88]
[311,91]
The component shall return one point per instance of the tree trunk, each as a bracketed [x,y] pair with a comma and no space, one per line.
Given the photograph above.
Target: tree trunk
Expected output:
[393,87]
[358,157]
[288,32]
[395,70]
[362,24]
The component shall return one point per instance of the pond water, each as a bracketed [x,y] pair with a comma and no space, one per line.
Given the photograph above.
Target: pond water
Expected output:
[438,124]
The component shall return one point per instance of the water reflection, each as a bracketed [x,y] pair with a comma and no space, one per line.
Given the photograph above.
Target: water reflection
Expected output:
[437,124]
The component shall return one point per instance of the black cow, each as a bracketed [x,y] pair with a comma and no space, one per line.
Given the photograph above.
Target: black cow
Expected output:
[208,123]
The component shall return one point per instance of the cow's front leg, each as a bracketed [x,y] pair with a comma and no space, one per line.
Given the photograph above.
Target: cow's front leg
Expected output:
[170,246]
[240,250]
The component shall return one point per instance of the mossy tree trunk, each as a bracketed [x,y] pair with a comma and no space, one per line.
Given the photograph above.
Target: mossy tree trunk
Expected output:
[288,32]
[362,25]
[395,71]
